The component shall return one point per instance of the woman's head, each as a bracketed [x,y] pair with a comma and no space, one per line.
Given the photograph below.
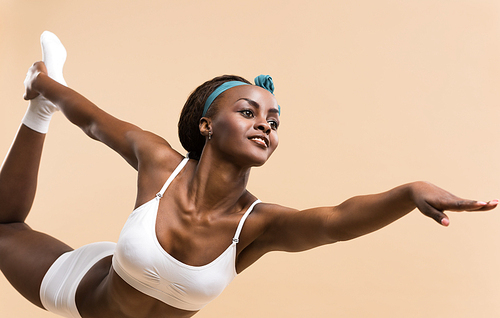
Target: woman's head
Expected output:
[244,131]
[188,127]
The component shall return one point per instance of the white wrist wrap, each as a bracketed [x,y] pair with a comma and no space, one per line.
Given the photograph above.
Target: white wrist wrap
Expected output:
[38,114]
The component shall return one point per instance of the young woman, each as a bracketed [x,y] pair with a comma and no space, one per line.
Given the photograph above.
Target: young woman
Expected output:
[195,226]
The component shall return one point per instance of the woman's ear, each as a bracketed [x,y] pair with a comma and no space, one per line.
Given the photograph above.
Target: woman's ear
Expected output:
[205,126]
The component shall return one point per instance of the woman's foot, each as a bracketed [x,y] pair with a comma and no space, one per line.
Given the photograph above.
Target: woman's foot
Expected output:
[53,55]
[40,110]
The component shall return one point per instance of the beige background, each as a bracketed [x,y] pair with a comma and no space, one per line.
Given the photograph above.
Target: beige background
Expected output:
[373,94]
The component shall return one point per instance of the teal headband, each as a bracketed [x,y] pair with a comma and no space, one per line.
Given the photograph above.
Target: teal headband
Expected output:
[264,81]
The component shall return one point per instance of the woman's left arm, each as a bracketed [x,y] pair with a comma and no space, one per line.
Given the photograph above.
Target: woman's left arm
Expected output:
[292,230]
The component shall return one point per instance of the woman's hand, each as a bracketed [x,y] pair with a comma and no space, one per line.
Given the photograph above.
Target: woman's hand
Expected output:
[35,70]
[432,201]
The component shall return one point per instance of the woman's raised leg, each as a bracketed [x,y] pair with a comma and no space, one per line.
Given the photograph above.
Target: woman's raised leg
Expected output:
[25,254]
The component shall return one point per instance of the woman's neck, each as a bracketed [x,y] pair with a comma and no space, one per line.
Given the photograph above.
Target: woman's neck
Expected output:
[217,184]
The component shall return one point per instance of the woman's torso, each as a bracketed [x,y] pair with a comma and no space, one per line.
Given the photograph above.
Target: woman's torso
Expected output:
[187,237]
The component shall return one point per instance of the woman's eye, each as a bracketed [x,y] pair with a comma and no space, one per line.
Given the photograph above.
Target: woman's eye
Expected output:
[247,113]
[273,124]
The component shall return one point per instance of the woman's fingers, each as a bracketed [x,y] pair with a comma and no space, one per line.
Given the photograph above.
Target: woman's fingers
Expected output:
[432,201]
[467,205]
[464,205]
[33,72]
[490,205]
[435,211]
[435,214]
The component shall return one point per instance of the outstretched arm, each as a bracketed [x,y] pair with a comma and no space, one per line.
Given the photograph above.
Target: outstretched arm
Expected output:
[364,214]
[125,138]
[293,230]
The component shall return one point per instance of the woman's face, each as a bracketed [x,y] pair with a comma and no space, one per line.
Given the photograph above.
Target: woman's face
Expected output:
[245,125]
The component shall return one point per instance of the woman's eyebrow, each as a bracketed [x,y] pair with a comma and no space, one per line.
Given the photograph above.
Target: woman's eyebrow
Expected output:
[257,105]
[250,101]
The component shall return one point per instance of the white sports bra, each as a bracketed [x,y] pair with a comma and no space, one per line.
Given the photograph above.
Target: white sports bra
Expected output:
[141,261]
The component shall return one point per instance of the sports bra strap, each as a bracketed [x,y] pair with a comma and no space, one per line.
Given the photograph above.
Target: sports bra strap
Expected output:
[236,237]
[172,176]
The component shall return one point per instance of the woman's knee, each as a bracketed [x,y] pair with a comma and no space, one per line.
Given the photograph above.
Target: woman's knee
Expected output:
[13,211]
[25,257]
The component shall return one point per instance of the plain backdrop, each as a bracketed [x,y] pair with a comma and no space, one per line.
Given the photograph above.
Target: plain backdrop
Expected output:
[373,94]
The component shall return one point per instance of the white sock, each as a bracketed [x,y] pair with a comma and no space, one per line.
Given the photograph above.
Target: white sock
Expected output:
[53,55]
[40,110]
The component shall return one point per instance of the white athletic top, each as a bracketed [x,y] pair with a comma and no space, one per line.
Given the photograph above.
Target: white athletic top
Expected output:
[141,261]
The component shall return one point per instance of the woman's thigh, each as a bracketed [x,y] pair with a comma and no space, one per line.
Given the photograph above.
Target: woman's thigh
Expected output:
[25,257]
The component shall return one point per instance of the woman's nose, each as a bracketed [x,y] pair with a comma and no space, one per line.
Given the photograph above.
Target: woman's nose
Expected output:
[265,127]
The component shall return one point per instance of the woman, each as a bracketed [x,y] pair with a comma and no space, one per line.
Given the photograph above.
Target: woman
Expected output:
[194,225]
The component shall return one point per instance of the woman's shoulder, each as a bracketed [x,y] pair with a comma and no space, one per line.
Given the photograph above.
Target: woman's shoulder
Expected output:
[264,215]
[157,160]
[154,152]
[255,240]
[272,210]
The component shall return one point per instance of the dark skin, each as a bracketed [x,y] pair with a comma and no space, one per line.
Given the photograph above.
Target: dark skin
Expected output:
[202,207]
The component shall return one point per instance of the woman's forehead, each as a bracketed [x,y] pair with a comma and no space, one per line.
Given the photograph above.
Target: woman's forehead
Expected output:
[252,92]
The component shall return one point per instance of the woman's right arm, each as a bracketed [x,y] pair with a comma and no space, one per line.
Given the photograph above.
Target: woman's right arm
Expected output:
[123,137]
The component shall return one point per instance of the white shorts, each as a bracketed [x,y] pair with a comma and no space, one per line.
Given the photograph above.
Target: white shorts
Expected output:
[59,284]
